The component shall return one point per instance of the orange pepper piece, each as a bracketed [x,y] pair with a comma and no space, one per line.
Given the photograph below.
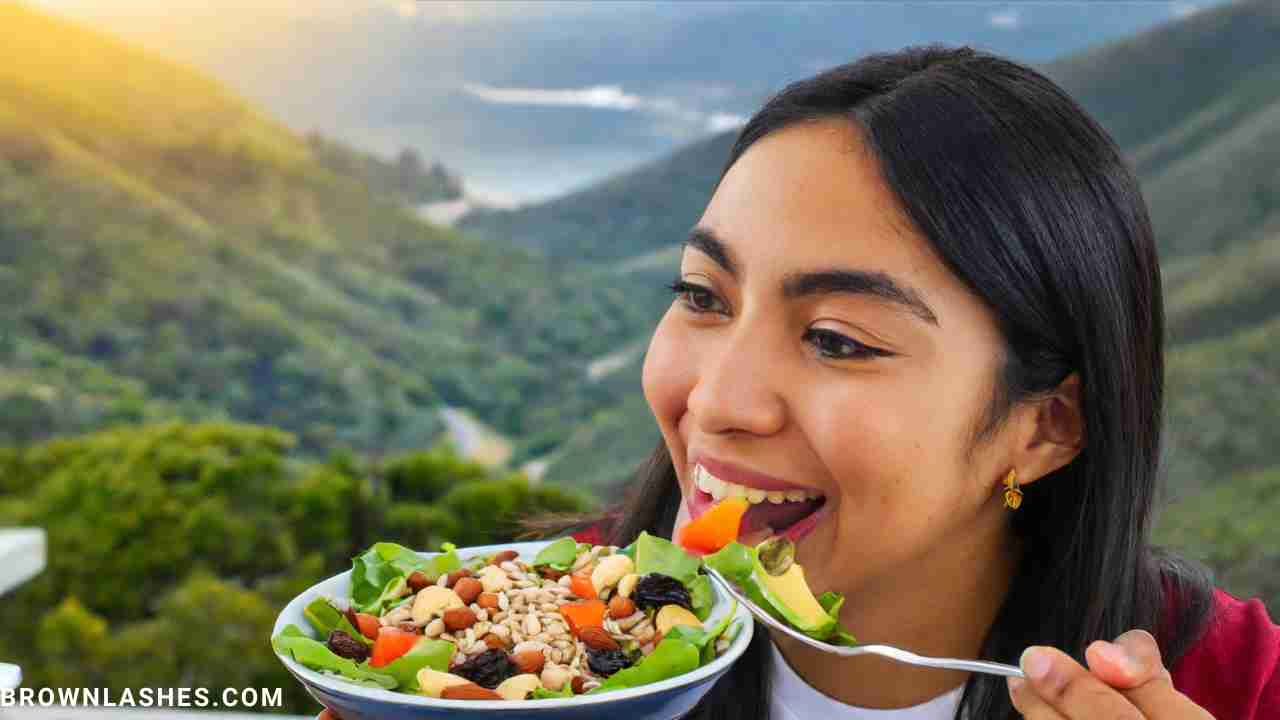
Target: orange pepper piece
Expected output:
[585,614]
[716,527]
[580,584]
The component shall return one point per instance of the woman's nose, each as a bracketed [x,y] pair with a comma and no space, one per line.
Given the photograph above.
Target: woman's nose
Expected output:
[737,387]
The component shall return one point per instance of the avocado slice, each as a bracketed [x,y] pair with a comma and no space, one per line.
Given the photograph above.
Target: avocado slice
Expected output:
[790,595]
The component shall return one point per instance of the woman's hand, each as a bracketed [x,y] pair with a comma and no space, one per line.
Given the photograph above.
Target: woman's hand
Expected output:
[1125,679]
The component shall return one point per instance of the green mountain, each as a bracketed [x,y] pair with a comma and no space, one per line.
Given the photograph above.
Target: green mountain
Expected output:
[166,250]
[1195,105]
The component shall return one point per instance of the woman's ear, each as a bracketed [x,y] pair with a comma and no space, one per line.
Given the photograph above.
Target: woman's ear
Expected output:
[1056,432]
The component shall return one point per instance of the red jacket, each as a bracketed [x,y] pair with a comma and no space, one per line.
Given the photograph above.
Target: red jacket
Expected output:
[1234,669]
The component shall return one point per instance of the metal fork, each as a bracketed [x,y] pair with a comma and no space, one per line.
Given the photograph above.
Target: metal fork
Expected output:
[893,653]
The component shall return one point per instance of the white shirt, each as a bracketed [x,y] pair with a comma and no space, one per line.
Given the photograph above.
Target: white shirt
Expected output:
[794,699]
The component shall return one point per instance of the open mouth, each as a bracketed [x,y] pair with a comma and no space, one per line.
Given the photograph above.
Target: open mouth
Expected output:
[792,512]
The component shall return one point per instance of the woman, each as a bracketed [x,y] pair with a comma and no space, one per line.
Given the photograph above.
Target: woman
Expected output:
[926,290]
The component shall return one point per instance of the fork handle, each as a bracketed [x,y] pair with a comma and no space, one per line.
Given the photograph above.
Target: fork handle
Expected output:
[981,666]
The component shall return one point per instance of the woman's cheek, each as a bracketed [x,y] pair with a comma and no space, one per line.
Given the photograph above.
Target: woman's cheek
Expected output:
[668,375]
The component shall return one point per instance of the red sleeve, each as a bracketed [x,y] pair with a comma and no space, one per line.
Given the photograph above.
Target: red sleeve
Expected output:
[590,534]
[1234,670]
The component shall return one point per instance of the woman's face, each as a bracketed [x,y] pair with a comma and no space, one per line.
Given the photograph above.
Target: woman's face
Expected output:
[821,348]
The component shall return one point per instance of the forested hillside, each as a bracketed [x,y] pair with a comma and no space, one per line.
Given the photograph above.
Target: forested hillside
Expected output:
[165,250]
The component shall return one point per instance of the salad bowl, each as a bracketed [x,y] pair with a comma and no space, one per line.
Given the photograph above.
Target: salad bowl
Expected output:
[661,700]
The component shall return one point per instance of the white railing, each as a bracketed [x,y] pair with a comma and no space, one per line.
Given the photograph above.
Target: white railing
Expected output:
[22,557]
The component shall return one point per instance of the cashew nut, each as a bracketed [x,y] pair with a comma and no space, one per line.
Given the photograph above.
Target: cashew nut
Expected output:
[433,682]
[433,600]
[555,676]
[494,579]
[627,584]
[609,570]
[518,687]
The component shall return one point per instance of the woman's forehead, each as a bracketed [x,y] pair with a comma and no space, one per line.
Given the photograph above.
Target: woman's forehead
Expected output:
[811,196]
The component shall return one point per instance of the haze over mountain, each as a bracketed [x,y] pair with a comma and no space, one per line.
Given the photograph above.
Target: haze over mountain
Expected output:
[531,100]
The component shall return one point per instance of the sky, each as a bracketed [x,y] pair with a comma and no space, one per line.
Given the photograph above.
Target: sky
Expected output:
[529,100]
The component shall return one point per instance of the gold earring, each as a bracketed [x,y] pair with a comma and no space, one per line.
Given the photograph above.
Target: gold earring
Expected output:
[1012,495]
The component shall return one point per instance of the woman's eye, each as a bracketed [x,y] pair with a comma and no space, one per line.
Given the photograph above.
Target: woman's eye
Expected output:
[697,298]
[833,345]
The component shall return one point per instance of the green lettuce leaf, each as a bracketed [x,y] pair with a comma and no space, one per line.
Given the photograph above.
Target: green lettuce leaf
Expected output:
[317,656]
[672,657]
[559,554]
[426,652]
[379,574]
[655,554]
[736,562]
[703,638]
[701,596]
[325,618]
[541,693]
[831,602]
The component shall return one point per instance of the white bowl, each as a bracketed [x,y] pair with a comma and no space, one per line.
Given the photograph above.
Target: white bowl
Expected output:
[665,700]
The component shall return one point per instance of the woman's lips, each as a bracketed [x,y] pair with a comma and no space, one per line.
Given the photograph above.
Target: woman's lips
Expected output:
[792,518]
[741,476]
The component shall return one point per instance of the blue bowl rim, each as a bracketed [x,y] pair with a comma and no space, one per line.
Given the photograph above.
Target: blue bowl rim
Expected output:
[360,693]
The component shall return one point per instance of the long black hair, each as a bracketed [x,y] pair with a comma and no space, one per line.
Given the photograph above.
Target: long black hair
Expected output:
[1030,203]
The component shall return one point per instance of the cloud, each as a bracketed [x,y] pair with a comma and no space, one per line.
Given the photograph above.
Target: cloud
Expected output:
[676,119]
[606,97]
[1005,19]
[1183,9]
[719,122]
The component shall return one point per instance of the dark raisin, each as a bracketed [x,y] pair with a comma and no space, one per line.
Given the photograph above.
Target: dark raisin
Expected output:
[655,590]
[607,662]
[343,645]
[488,669]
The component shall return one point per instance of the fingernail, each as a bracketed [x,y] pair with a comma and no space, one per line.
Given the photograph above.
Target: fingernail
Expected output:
[1035,663]
[1116,654]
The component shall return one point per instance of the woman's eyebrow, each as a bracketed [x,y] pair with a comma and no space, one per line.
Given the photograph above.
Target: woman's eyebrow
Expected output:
[821,282]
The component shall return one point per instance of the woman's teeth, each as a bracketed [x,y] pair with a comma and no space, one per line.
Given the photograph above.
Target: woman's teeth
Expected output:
[721,489]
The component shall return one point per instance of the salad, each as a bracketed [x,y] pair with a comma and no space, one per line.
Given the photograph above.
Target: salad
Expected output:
[766,573]
[577,618]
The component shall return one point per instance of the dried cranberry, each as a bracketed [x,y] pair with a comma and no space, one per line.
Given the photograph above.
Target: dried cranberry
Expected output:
[488,669]
[655,590]
[607,662]
[343,645]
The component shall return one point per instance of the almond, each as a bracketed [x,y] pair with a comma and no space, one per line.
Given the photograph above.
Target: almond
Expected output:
[620,607]
[456,619]
[457,575]
[551,573]
[468,588]
[529,661]
[597,638]
[504,556]
[495,642]
[469,691]
[487,600]
[417,580]
[576,683]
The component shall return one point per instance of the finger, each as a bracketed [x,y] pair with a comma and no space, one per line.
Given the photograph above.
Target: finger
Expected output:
[1133,664]
[1132,661]
[1028,704]
[1072,690]
[327,714]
